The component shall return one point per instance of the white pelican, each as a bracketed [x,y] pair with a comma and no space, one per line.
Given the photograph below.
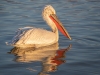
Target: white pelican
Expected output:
[38,37]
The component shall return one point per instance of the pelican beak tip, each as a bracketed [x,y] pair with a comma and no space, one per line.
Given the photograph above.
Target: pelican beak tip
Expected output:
[69,38]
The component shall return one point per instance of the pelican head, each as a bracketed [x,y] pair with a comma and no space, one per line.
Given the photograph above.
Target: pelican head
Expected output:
[49,15]
[48,10]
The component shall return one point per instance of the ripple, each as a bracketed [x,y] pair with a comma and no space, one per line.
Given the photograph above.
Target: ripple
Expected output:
[81,18]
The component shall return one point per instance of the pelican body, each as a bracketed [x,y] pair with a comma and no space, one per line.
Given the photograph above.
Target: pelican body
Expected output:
[38,37]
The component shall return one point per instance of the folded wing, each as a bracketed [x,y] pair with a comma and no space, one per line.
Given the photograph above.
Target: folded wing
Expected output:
[31,35]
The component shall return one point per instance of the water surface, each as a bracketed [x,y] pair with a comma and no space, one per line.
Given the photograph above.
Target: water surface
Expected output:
[80,17]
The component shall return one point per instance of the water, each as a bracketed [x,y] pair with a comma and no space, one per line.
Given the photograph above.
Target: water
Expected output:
[80,17]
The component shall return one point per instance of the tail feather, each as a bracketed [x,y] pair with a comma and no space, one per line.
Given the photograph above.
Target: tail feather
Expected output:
[20,32]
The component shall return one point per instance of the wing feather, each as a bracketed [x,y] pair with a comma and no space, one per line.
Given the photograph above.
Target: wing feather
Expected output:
[19,33]
[33,36]
[37,36]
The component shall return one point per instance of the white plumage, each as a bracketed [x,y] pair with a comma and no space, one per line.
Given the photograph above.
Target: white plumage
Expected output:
[33,37]
[38,37]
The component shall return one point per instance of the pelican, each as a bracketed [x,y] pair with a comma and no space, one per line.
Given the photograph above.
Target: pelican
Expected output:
[38,37]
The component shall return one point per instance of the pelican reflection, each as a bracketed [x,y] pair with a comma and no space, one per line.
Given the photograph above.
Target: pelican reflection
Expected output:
[49,56]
